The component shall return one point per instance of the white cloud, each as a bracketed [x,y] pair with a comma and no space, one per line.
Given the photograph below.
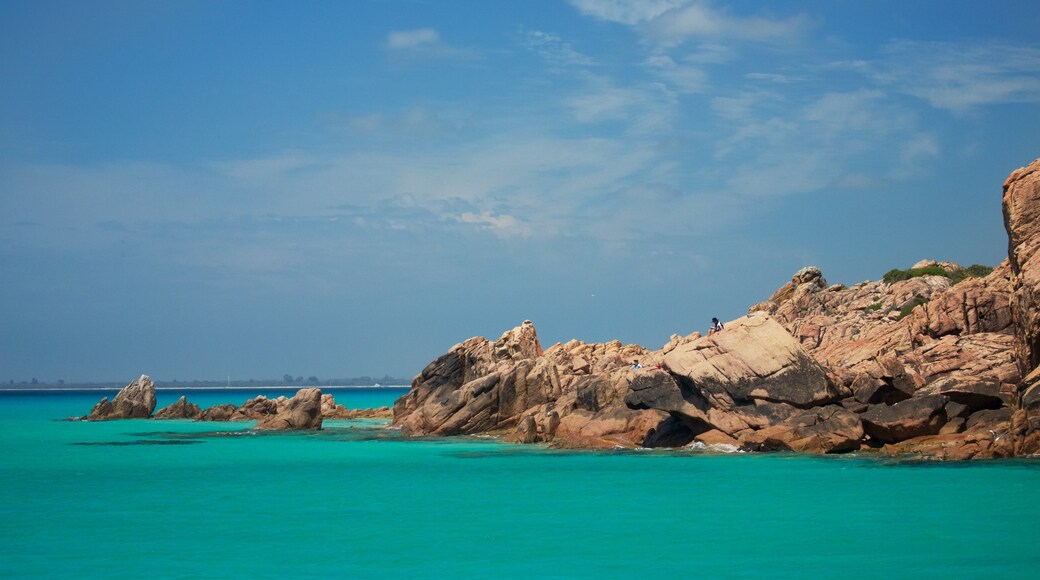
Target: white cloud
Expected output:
[407,39]
[674,22]
[629,12]
[820,144]
[686,78]
[772,77]
[700,20]
[644,109]
[962,75]
[555,50]
[505,226]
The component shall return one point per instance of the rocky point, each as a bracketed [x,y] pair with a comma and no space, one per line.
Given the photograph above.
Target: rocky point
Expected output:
[930,364]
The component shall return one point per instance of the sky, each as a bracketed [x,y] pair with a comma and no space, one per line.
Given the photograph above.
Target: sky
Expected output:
[217,188]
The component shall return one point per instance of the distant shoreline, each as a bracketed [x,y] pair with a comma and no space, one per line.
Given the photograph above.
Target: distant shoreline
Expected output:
[256,388]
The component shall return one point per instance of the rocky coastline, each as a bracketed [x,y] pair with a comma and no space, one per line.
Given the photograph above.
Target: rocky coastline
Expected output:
[916,364]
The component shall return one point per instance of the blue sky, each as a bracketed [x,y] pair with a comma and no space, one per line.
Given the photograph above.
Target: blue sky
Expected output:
[202,189]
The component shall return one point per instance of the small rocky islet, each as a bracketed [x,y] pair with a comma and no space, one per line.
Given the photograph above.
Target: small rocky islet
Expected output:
[303,411]
[936,362]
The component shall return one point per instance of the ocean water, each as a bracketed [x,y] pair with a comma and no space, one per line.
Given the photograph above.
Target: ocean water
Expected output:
[177,499]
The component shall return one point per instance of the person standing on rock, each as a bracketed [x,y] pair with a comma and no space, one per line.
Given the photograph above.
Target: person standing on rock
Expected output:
[716,326]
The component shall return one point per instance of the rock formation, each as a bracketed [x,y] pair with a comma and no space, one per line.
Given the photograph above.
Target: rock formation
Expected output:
[332,410]
[1022,222]
[305,410]
[221,412]
[134,401]
[302,411]
[182,409]
[922,365]
[573,392]
[257,408]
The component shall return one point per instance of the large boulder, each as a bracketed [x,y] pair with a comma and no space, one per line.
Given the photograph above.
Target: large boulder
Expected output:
[755,360]
[222,412]
[257,408]
[301,412]
[181,409]
[830,429]
[752,376]
[1021,203]
[657,389]
[134,401]
[905,420]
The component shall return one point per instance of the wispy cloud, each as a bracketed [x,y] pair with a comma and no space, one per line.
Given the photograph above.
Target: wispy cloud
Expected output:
[408,39]
[626,11]
[962,75]
[505,226]
[424,43]
[817,143]
[685,77]
[554,50]
[415,121]
[673,22]
[643,109]
[701,20]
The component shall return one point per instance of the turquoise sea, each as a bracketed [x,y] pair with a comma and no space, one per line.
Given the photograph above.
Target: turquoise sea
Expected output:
[177,499]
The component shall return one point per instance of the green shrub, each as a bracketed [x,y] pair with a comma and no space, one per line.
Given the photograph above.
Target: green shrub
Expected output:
[896,275]
[873,307]
[905,310]
[974,271]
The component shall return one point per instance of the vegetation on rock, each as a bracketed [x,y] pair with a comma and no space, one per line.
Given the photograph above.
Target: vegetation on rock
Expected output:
[906,309]
[974,271]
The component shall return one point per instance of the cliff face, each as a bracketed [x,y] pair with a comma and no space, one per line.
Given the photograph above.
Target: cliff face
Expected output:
[1022,222]
[915,366]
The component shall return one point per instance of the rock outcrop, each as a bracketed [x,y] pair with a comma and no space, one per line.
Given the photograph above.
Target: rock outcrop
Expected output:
[257,408]
[573,392]
[134,401]
[332,410]
[828,429]
[301,412]
[222,412]
[261,408]
[937,365]
[1021,204]
[181,409]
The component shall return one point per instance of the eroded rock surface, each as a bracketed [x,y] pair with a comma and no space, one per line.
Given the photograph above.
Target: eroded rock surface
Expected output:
[181,409]
[134,401]
[301,412]
[1021,204]
[573,392]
